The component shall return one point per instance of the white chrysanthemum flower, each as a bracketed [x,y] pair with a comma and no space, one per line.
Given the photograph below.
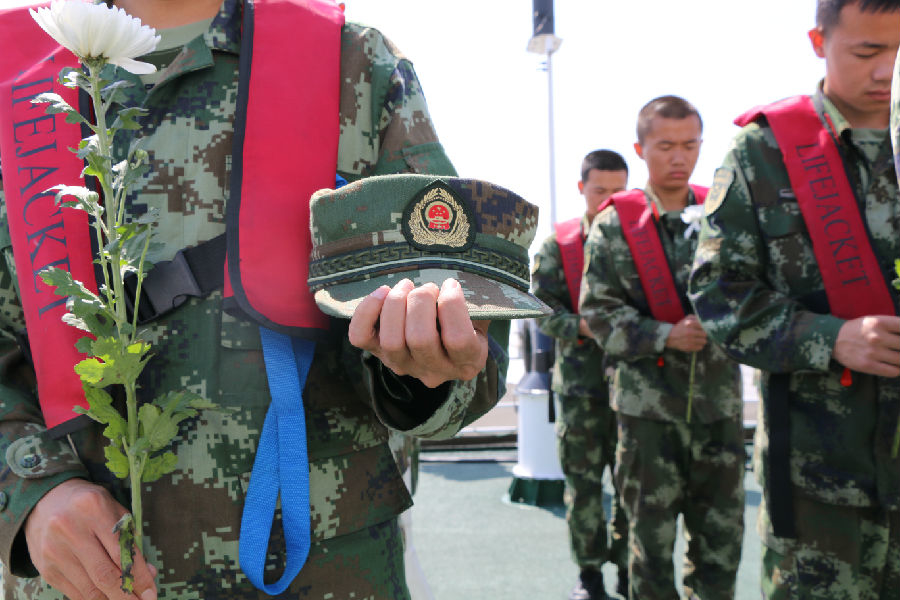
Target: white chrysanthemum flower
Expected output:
[693,216]
[95,31]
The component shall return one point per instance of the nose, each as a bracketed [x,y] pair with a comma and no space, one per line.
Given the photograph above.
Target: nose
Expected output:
[884,69]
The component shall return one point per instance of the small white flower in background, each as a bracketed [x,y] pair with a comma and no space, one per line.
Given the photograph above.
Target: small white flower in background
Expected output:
[693,216]
[95,31]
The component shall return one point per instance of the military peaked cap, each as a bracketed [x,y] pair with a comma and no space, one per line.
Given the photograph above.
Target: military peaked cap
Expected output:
[379,230]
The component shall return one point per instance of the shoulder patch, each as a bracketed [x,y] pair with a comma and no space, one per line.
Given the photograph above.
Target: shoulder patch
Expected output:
[718,191]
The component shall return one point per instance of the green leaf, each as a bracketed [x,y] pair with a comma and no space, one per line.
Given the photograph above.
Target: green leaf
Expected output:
[85,199]
[72,78]
[83,345]
[897,271]
[125,528]
[57,105]
[112,92]
[87,146]
[91,371]
[116,462]
[157,426]
[102,411]
[159,465]
[119,365]
[127,118]
[87,311]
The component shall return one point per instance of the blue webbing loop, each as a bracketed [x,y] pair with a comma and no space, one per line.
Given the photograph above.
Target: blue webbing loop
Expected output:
[281,465]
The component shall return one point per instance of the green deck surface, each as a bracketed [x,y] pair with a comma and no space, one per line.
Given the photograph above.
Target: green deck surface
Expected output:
[474,544]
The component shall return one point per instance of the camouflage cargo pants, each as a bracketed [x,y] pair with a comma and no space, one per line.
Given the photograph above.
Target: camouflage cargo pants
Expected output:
[663,469]
[841,552]
[586,433]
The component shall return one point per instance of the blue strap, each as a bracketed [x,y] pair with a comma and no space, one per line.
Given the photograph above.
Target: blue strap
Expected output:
[281,465]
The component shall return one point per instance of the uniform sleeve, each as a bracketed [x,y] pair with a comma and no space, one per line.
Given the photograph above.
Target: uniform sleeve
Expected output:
[32,463]
[548,282]
[406,142]
[609,290]
[739,309]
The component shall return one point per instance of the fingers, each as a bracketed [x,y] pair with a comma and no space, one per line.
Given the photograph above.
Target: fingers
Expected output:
[429,358]
[870,345]
[71,541]
[363,331]
[424,332]
[464,340]
[392,330]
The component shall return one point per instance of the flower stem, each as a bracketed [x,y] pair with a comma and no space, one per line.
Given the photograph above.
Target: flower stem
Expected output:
[115,293]
[691,385]
[135,464]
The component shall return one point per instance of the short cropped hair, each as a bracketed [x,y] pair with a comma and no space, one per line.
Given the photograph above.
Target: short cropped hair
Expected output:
[602,160]
[828,12]
[668,107]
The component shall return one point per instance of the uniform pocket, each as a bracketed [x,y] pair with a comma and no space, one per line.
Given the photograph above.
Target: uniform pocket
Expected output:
[781,219]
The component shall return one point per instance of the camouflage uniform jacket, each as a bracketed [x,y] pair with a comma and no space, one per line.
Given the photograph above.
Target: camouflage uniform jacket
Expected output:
[194,513]
[617,312]
[578,365]
[754,279]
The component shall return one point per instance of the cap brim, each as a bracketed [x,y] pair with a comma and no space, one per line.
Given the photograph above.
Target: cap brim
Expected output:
[485,298]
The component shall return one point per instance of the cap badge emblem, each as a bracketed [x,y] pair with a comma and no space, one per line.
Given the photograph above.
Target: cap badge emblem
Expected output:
[437,220]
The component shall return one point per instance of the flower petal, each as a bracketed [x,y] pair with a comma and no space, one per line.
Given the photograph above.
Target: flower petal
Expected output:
[44,17]
[134,66]
[97,31]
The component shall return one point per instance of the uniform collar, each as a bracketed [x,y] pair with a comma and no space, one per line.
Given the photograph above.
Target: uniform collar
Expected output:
[585,226]
[840,126]
[648,191]
[223,35]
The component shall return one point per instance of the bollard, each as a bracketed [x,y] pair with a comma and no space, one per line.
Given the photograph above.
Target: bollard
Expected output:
[537,477]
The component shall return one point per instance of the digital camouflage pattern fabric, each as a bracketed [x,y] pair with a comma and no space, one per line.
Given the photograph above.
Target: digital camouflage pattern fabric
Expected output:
[660,458]
[757,289]
[663,469]
[194,513]
[585,425]
[617,312]
[854,554]
[586,442]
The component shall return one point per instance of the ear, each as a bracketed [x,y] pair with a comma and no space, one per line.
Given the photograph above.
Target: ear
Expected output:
[581,187]
[639,150]
[817,38]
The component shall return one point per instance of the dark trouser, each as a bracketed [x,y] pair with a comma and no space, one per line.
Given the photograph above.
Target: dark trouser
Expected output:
[840,553]
[587,441]
[663,469]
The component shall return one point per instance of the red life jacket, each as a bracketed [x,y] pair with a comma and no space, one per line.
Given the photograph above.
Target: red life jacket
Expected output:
[570,239]
[270,187]
[638,225]
[854,282]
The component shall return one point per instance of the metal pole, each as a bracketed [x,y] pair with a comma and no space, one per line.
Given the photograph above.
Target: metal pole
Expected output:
[552,143]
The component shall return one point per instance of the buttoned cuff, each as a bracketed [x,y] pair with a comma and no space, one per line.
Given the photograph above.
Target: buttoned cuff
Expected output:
[662,334]
[35,465]
[819,344]
[406,405]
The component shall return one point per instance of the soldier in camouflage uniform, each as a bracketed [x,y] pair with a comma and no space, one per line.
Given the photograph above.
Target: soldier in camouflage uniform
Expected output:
[62,487]
[586,426]
[759,291]
[667,463]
